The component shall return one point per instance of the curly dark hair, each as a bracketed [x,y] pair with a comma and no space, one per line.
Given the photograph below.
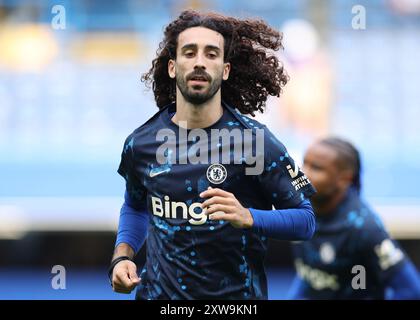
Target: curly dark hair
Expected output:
[255,72]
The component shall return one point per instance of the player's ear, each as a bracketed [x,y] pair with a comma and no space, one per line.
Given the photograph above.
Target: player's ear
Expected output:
[171,68]
[226,70]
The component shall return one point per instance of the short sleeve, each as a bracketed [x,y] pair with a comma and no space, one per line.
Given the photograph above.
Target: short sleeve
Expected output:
[134,188]
[282,181]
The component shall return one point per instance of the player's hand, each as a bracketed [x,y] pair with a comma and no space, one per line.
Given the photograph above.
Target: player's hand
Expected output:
[124,277]
[223,205]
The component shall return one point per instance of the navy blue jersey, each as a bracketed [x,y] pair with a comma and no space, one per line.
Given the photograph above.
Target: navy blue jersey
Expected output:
[353,235]
[188,255]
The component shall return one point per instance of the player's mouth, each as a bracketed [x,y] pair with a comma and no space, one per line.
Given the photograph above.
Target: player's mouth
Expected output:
[198,80]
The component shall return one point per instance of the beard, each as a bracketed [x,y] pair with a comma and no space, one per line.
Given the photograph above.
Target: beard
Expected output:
[319,199]
[193,94]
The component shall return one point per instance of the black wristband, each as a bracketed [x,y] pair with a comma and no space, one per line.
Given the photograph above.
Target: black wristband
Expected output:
[113,264]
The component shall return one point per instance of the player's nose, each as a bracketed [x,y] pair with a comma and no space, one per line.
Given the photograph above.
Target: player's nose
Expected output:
[199,62]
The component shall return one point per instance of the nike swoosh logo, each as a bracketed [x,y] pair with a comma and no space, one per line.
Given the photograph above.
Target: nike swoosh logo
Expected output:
[156,173]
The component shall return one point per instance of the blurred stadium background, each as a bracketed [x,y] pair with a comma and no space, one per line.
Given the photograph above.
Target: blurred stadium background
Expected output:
[70,96]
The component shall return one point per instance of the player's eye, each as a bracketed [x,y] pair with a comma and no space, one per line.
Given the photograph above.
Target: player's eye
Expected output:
[212,55]
[189,54]
[312,166]
[316,167]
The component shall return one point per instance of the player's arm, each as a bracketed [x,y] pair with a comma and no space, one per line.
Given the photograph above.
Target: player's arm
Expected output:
[292,224]
[404,284]
[285,224]
[132,232]
[387,262]
[296,291]
[132,227]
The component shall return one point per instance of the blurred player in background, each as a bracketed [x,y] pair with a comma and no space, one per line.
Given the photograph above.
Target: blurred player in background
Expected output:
[347,234]
[207,224]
